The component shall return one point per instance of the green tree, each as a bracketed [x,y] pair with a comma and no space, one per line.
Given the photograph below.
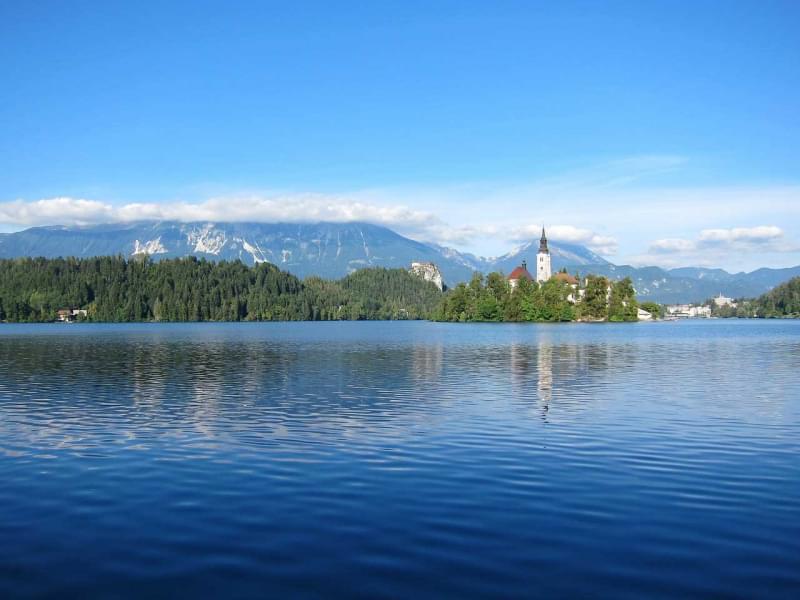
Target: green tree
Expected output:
[594,304]
[622,305]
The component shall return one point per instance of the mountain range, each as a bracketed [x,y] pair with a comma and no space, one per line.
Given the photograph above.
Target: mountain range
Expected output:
[332,250]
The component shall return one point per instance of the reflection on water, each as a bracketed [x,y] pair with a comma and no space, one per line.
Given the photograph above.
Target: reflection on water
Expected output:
[400,459]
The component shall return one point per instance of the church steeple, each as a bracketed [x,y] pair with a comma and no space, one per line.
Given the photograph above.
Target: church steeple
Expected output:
[543,272]
[543,244]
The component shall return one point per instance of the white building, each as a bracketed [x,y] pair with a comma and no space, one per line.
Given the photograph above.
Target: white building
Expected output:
[688,311]
[543,271]
[724,301]
[67,315]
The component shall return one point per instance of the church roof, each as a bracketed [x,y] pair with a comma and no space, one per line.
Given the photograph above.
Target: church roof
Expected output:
[519,273]
[566,277]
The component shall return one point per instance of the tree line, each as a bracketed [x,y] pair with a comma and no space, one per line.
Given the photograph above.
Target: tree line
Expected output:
[114,289]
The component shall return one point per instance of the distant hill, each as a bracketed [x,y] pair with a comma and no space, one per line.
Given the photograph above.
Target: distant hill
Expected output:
[718,275]
[332,250]
[694,284]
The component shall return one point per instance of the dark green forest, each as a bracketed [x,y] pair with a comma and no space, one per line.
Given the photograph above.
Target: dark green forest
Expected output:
[491,299]
[781,302]
[114,289]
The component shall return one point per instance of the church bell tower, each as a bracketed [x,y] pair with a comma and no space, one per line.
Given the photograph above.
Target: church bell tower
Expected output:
[543,271]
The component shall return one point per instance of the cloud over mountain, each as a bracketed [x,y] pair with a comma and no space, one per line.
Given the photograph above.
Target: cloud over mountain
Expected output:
[299,208]
[747,235]
[669,245]
[769,236]
[713,245]
[307,207]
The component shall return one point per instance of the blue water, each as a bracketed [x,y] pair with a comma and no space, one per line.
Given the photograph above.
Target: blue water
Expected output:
[400,460]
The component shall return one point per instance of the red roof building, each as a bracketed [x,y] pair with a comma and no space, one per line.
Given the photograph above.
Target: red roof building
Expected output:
[521,272]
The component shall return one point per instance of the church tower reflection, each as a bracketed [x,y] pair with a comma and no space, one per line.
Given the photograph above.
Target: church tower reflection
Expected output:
[532,366]
[544,370]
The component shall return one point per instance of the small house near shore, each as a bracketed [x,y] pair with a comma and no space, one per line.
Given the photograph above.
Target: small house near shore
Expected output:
[644,315]
[67,315]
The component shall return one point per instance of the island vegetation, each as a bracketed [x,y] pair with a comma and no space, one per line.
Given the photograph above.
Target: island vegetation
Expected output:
[492,299]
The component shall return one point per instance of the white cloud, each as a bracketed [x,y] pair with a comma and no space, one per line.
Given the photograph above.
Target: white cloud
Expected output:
[299,208]
[713,247]
[61,211]
[760,234]
[669,245]
[766,237]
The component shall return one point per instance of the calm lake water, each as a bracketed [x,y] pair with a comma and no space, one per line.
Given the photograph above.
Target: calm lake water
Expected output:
[400,460]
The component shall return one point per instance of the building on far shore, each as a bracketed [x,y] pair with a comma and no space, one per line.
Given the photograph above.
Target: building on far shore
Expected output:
[724,301]
[67,315]
[688,311]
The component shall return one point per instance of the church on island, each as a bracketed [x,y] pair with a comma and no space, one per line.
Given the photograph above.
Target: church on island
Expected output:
[543,269]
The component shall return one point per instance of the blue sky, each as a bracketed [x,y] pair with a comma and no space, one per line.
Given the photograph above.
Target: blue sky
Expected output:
[643,129]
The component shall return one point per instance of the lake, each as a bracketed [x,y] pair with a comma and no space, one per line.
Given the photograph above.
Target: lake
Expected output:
[400,460]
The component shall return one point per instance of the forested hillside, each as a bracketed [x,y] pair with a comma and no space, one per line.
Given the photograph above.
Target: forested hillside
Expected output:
[191,289]
[783,301]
